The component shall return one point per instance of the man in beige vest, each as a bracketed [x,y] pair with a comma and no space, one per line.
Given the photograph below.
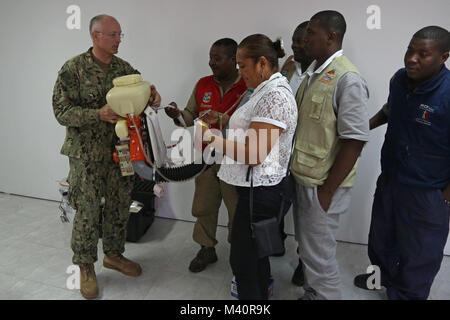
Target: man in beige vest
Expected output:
[333,126]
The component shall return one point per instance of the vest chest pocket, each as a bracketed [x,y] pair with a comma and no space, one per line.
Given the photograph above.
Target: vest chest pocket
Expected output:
[309,154]
[316,108]
[306,159]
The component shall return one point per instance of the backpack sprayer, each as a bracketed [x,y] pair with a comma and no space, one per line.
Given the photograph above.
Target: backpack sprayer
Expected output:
[142,149]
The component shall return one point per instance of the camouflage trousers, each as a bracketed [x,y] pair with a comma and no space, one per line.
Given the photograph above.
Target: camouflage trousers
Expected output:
[89,182]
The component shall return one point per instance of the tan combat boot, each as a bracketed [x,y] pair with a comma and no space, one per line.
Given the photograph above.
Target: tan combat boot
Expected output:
[88,281]
[118,262]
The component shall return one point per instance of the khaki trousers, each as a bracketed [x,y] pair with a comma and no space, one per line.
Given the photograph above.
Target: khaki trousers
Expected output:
[208,195]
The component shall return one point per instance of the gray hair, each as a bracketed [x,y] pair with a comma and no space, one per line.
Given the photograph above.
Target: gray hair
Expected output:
[95,21]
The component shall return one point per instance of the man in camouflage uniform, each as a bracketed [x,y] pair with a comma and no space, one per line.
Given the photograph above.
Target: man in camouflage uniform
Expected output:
[79,104]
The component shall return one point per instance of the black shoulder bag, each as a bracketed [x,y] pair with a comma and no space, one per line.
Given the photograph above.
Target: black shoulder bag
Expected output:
[266,233]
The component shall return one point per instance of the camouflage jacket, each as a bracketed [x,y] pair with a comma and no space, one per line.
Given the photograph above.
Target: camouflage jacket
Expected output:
[80,90]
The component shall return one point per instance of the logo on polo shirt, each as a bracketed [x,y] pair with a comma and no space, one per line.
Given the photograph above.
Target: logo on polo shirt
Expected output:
[425,114]
[207,97]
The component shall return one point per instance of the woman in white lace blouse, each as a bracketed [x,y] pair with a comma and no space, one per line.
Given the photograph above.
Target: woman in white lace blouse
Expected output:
[260,135]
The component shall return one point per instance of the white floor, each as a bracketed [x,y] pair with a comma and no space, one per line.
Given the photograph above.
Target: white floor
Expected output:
[35,255]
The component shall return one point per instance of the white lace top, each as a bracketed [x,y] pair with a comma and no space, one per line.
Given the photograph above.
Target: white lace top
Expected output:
[271,102]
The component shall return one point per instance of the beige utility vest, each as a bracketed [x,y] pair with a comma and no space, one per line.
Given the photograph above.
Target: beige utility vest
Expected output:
[317,143]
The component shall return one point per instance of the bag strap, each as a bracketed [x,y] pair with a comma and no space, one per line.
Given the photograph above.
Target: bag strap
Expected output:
[286,178]
[250,174]
[283,196]
[280,213]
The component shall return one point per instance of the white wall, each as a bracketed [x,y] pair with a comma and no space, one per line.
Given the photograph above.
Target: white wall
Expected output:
[168,41]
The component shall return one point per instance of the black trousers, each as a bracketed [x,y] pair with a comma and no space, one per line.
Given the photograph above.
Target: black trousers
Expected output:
[408,232]
[252,273]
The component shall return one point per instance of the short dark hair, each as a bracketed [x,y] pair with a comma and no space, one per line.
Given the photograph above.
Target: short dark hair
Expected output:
[229,45]
[332,21]
[441,35]
[302,25]
[259,45]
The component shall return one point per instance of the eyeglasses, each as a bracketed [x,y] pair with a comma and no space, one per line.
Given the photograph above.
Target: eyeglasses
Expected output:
[112,35]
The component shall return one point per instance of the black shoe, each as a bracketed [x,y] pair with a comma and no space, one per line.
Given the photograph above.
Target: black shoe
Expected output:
[360,281]
[205,256]
[298,278]
[310,294]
